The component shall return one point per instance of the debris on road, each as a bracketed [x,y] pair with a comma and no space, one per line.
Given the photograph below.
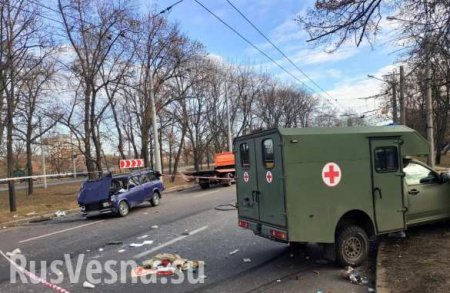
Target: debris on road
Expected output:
[155,227]
[60,213]
[165,264]
[142,237]
[31,213]
[86,284]
[246,260]
[353,276]
[4,227]
[14,252]
[146,242]
[234,252]
[100,249]
[185,233]
[121,250]
[114,243]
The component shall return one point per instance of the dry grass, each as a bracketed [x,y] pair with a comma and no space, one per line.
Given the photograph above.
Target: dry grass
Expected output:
[44,201]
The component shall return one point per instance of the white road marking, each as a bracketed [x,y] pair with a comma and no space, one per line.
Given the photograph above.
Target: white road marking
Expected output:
[206,193]
[58,232]
[193,232]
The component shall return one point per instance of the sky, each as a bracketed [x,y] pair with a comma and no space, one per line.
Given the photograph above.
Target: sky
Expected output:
[343,74]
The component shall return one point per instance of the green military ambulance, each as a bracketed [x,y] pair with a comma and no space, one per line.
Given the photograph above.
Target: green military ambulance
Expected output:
[336,185]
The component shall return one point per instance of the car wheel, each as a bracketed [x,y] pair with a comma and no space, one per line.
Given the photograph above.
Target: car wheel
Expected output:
[352,246]
[155,199]
[124,209]
[204,184]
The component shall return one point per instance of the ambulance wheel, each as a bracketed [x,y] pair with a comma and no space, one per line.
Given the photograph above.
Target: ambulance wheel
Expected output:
[123,209]
[352,246]
[155,199]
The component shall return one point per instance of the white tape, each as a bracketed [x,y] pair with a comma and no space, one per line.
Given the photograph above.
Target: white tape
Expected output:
[46,176]
[34,277]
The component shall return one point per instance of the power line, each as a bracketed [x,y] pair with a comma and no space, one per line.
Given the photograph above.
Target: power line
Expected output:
[281,52]
[254,46]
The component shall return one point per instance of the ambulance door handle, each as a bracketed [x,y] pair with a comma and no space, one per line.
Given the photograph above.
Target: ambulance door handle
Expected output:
[377,190]
[255,195]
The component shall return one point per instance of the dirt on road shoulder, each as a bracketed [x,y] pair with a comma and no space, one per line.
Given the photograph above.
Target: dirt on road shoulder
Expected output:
[419,263]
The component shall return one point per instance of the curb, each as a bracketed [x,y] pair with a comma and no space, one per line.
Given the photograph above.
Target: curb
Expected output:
[382,285]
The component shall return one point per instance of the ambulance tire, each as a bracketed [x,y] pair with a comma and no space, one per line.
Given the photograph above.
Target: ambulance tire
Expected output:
[352,246]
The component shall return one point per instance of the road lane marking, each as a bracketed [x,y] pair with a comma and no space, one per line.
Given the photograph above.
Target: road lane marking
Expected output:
[193,232]
[206,193]
[58,232]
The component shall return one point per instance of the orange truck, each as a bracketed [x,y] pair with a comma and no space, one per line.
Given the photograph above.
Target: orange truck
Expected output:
[223,172]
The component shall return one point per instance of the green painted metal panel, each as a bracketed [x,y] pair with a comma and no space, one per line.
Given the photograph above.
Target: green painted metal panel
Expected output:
[272,207]
[247,181]
[387,187]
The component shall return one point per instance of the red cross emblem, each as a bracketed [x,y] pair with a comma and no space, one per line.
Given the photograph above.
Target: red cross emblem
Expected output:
[331,174]
[246,177]
[269,177]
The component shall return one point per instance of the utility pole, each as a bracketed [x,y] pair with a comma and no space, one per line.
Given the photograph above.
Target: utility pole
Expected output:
[394,100]
[230,139]
[155,127]
[402,97]
[429,109]
[43,156]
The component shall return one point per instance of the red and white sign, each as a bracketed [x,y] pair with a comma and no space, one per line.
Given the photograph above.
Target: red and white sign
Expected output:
[269,177]
[331,174]
[133,163]
[246,177]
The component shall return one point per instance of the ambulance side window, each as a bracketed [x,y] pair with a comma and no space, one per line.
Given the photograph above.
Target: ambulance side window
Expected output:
[267,152]
[386,159]
[245,155]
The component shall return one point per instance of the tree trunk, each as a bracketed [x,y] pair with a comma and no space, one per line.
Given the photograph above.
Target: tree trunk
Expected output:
[90,163]
[29,166]
[179,152]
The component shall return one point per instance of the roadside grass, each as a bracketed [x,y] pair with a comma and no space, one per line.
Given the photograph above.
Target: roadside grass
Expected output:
[45,201]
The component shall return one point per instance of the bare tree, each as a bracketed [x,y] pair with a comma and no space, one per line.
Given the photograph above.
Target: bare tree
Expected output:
[93,29]
[20,37]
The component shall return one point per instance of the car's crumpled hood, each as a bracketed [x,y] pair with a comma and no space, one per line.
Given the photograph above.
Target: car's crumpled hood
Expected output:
[95,190]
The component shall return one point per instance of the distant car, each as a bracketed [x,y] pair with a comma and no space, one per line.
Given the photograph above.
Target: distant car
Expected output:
[117,194]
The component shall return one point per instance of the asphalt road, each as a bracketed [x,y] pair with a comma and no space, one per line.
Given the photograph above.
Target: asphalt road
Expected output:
[213,234]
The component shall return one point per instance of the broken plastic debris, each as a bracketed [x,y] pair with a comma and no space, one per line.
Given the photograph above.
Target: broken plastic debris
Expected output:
[86,284]
[121,250]
[31,213]
[186,232]
[146,242]
[155,227]
[100,249]
[246,260]
[114,243]
[142,237]
[234,251]
[14,252]
[60,213]
[353,276]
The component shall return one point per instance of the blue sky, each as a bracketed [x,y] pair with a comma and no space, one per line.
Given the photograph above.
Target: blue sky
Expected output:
[342,74]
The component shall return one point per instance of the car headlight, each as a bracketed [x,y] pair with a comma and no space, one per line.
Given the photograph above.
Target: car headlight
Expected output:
[113,198]
[106,204]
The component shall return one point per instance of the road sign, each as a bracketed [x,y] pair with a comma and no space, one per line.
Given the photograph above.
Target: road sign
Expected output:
[132,163]
[269,177]
[246,177]
[331,174]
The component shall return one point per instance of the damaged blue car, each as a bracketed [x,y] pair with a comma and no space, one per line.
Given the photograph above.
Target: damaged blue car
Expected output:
[117,194]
